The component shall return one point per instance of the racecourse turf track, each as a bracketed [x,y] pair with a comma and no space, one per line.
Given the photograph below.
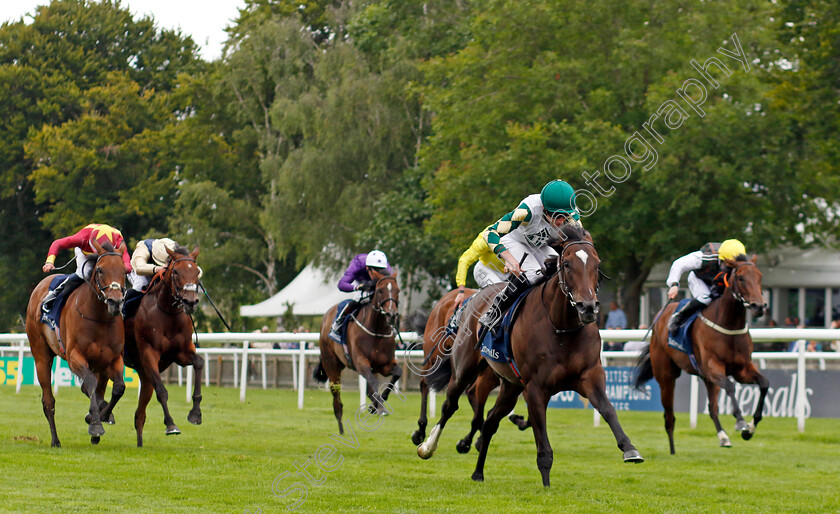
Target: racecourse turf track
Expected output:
[228,464]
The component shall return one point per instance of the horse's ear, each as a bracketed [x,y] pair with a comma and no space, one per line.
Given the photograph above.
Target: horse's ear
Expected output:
[754,259]
[108,246]
[374,274]
[588,237]
[194,253]
[96,246]
[394,274]
[730,263]
[172,255]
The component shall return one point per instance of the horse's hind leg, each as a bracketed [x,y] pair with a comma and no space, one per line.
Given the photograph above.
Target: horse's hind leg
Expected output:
[593,386]
[505,402]
[420,434]
[750,375]
[146,390]
[666,373]
[43,366]
[151,365]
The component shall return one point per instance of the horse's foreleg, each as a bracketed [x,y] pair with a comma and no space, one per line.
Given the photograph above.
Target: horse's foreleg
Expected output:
[666,373]
[115,373]
[101,387]
[505,402]
[593,386]
[146,390]
[483,385]
[151,365]
[384,391]
[712,390]
[190,358]
[751,375]
[372,385]
[420,434]
[89,384]
[43,366]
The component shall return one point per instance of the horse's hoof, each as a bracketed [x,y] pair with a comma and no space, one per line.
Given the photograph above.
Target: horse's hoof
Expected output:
[463,446]
[195,419]
[382,411]
[741,425]
[417,437]
[55,444]
[172,430]
[87,418]
[96,429]
[747,434]
[725,443]
[478,477]
[424,453]
[94,439]
[371,409]
[633,456]
[110,419]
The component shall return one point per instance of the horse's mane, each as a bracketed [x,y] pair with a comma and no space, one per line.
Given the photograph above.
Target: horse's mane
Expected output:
[570,232]
[741,258]
[181,250]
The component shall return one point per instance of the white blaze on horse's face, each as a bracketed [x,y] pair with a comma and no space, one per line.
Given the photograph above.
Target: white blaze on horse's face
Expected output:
[582,255]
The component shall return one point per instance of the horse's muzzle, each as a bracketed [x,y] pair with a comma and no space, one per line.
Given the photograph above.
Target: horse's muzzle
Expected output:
[114,306]
[588,311]
[758,309]
[190,305]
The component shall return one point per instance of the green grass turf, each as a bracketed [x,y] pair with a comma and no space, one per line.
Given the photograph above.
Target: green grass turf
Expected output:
[228,464]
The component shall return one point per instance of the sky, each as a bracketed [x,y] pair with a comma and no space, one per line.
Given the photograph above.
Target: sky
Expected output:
[204,20]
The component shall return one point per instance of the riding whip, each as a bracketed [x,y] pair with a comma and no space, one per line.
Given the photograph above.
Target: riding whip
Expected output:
[213,304]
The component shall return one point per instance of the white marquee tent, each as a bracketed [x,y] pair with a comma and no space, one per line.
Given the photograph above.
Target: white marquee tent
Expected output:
[315,290]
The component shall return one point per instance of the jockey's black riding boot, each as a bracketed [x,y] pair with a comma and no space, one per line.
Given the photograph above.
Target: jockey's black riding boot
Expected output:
[683,314]
[351,306]
[68,283]
[502,302]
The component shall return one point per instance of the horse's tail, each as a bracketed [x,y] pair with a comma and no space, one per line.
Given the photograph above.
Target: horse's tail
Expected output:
[319,374]
[644,370]
[417,321]
[438,379]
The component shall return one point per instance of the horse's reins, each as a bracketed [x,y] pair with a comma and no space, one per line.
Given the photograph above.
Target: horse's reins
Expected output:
[738,296]
[379,307]
[100,292]
[565,288]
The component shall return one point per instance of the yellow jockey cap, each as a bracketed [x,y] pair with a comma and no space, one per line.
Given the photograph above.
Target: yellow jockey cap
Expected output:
[730,249]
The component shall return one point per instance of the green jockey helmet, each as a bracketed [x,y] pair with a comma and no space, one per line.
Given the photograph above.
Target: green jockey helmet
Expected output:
[559,197]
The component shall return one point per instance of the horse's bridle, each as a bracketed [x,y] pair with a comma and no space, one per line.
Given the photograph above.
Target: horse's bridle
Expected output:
[561,271]
[101,290]
[380,307]
[174,289]
[736,292]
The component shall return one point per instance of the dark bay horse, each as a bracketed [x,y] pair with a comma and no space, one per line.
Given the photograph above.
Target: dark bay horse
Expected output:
[437,344]
[161,333]
[556,346]
[370,339]
[92,333]
[722,347]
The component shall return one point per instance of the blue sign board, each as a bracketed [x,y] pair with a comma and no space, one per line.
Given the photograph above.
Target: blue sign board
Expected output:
[620,391]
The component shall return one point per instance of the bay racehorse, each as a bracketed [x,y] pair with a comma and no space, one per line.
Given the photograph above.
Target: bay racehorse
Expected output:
[90,339]
[437,345]
[555,345]
[370,340]
[161,334]
[722,346]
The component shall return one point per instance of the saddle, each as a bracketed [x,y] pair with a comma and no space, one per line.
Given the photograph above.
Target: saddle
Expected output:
[496,345]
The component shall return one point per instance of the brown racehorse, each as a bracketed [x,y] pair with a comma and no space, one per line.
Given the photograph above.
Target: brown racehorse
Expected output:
[92,332]
[161,333]
[555,344]
[437,344]
[370,339]
[722,347]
